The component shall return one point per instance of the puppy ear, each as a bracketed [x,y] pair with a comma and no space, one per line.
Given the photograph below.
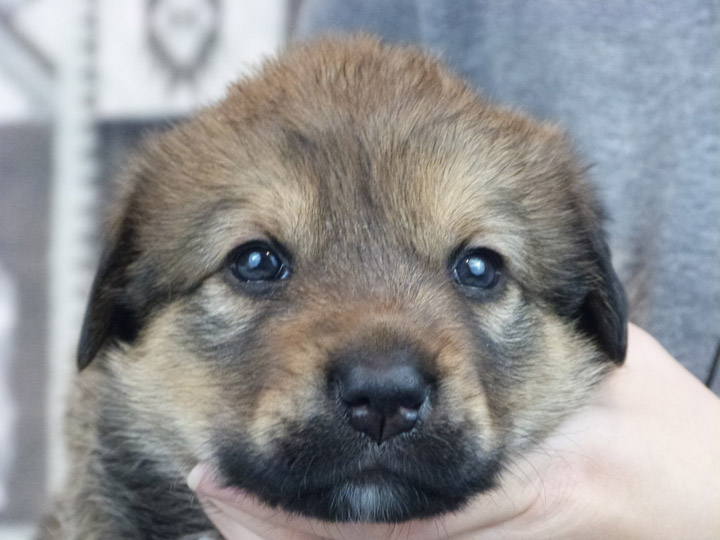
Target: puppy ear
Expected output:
[109,314]
[603,313]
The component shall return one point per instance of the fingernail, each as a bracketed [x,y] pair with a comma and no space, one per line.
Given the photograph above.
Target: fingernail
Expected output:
[193,479]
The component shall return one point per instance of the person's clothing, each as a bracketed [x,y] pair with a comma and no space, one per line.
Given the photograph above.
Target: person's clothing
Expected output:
[637,86]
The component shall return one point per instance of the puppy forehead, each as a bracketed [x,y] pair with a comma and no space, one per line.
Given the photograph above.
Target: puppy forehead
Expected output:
[328,154]
[334,190]
[429,188]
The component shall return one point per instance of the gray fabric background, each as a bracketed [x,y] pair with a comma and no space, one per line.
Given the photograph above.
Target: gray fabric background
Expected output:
[637,86]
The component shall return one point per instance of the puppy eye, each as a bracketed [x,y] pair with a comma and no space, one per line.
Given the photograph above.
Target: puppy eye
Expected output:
[477,268]
[256,261]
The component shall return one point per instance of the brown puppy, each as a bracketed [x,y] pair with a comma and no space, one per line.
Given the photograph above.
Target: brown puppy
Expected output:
[354,286]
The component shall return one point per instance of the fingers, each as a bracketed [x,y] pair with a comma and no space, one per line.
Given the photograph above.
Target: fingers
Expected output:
[240,516]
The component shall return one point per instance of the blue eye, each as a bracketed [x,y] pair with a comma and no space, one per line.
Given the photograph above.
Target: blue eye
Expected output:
[477,268]
[256,261]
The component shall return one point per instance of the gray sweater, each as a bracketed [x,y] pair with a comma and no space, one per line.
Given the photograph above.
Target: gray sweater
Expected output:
[637,86]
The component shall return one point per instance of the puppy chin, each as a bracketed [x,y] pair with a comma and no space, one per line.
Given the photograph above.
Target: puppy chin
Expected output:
[365,501]
[369,502]
[393,483]
[373,498]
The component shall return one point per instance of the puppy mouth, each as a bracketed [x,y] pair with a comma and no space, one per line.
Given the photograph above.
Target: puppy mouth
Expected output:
[350,480]
[383,445]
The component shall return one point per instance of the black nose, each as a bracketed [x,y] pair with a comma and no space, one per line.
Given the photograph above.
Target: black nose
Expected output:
[383,397]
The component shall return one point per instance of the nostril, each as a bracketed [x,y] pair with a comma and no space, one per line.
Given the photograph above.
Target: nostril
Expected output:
[368,421]
[401,421]
[413,402]
[410,414]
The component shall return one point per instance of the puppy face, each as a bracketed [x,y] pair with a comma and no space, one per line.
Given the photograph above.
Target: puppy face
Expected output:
[354,286]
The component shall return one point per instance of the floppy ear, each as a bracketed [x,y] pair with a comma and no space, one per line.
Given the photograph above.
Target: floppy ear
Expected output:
[603,312]
[109,314]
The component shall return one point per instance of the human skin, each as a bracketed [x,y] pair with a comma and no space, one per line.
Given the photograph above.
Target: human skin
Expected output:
[641,460]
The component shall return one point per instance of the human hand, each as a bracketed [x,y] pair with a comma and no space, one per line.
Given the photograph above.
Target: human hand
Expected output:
[642,460]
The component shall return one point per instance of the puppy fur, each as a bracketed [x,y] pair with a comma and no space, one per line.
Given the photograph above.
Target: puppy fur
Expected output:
[369,168]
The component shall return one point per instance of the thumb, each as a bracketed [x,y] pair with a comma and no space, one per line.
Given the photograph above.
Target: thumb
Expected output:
[240,516]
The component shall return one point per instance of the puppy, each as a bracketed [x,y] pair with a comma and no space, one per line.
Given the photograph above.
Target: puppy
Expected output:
[354,287]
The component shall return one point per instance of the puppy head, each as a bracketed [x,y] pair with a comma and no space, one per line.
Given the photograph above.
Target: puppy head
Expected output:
[355,286]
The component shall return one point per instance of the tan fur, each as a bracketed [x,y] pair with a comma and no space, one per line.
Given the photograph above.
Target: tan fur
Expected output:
[372,166]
